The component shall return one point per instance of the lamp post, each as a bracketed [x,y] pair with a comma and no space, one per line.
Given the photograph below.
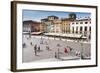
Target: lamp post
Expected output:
[30,31]
[81,50]
[58,49]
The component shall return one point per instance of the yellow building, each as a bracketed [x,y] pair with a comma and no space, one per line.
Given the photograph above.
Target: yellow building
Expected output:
[52,24]
[66,25]
[57,26]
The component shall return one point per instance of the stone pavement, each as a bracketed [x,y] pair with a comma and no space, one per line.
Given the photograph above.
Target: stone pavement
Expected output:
[56,48]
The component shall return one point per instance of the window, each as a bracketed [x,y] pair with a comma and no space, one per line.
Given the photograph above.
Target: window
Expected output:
[90,29]
[81,22]
[76,22]
[73,23]
[76,29]
[89,32]
[73,30]
[86,22]
[85,29]
[81,29]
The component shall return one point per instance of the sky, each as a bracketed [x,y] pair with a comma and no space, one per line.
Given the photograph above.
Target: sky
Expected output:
[37,15]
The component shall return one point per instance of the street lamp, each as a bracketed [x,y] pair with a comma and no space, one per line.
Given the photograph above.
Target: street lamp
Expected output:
[58,49]
[81,53]
[30,31]
[81,49]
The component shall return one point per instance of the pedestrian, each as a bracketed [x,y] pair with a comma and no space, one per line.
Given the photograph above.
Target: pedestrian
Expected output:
[35,50]
[65,50]
[31,43]
[47,47]
[39,48]
[70,49]
[77,53]
[24,45]
[55,55]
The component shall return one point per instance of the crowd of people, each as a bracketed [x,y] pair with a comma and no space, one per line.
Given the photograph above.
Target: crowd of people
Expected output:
[38,49]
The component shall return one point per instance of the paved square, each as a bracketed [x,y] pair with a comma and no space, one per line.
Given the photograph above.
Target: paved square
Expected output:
[53,49]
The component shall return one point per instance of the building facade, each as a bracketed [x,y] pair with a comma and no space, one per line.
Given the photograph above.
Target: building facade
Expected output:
[51,24]
[31,26]
[66,25]
[82,26]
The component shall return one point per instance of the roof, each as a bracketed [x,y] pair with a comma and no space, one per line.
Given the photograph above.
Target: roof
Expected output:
[27,22]
[30,22]
[45,19]
[67,19]
[83,20]
[53,16]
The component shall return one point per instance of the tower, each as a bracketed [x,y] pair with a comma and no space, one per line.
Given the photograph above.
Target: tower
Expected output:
[72,16]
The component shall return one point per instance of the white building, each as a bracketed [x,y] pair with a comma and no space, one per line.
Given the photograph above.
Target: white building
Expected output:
[82,26]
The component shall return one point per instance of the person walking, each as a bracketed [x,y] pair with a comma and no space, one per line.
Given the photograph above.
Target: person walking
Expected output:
[70,49]
[38,48]
[65,50]
[55,55]
[24,45]
[47,47]
[31,43]
[35,50]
